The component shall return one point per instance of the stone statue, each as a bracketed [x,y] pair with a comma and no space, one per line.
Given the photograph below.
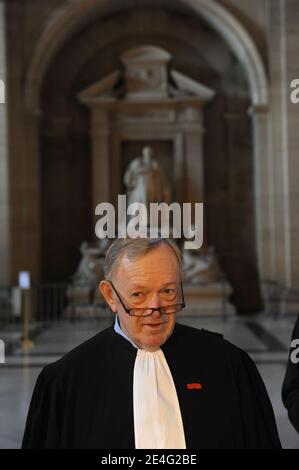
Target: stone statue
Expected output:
[201,266]
[89,270]
[102,245]
[83,292]
[85,272]
[145,180]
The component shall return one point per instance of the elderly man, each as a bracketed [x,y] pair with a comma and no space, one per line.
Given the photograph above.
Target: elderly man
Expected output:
[147,381]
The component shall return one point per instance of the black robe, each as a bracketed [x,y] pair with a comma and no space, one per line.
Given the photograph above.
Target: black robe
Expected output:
[85,399]
[290,388]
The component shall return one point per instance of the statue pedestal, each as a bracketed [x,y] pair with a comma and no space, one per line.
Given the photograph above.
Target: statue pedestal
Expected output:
[85,302]
[207,300]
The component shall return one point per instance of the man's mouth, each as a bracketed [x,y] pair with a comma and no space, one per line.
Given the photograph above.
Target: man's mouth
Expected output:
[154,325]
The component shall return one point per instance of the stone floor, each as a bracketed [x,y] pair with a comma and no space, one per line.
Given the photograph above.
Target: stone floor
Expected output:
[265,338]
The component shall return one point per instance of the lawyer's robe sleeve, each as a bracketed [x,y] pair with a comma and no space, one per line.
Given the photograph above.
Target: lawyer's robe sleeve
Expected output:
[290,387]
[42,427]
[258,420]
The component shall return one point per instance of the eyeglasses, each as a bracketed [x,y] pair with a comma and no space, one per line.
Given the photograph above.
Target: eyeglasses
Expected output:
[147,311]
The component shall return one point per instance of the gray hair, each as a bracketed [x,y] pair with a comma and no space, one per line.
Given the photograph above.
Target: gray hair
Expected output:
[134,248]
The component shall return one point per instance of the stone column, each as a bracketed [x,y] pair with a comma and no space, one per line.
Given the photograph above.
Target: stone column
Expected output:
[241,220]
[282,31]
[290,45]
[264,186]
[4,200]
[31,251]
[179,168]
[23,155]
[100,134]
[193,147]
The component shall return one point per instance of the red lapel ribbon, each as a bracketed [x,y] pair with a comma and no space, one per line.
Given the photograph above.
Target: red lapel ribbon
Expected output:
[196,386]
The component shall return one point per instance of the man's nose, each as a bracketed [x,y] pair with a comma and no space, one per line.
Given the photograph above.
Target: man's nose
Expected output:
[154,300]
[156,314]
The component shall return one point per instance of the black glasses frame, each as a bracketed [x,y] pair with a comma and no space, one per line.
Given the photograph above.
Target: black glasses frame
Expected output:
[153,309]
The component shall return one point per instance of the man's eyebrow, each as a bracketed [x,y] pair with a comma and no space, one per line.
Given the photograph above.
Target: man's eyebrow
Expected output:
[137,286]
[169,283]
[142,286]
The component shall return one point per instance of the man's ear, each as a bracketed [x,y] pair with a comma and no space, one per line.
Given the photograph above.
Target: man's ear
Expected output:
[108,294]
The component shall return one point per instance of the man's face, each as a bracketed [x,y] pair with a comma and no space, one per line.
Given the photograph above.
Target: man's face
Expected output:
[149,281]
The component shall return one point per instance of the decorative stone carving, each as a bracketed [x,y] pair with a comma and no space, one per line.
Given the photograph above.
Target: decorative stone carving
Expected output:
[89,269]
[83,291]
[147,100]
[146,181]
[206,288]
[150,101]
[146,72]
[201,266]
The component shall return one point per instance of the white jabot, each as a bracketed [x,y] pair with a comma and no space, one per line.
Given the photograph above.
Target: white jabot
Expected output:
[157,417]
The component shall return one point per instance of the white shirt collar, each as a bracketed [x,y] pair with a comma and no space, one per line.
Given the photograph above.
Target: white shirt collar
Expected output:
[118,330]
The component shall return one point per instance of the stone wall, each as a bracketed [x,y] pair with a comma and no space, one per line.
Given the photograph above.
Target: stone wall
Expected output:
[283,45]
[4,220]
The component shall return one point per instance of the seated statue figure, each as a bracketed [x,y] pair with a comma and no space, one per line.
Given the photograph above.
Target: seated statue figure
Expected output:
[201,266]
[83,291]
[84,273]
[89,270]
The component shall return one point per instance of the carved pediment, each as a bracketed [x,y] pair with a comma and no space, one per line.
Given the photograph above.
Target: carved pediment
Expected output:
[146,76]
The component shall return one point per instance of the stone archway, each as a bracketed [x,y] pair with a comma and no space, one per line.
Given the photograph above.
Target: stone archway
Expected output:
[69,19]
